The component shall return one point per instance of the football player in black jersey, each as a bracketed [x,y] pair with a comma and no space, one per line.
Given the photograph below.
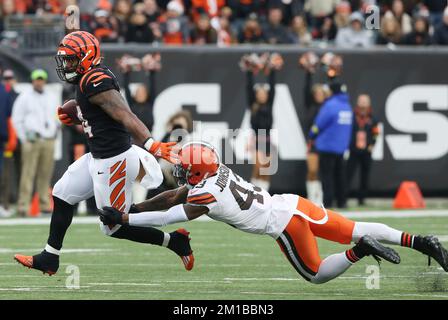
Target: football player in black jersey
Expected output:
[113,165]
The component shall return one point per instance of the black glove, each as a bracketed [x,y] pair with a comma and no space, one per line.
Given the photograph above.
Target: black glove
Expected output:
[133,209]
[110,216]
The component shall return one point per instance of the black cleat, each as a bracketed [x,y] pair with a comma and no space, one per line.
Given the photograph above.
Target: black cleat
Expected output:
[44,261]
[432,247]
[371,246]
[180,244]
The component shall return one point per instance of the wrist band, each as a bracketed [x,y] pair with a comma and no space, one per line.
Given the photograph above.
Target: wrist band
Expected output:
[148,143]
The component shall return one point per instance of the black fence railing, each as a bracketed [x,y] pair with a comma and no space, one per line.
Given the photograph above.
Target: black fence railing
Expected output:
[33,34]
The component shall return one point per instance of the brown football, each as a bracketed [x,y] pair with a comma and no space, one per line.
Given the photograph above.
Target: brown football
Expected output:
[70,108]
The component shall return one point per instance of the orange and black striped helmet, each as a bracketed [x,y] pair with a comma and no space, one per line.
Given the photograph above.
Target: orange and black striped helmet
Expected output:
[78,52]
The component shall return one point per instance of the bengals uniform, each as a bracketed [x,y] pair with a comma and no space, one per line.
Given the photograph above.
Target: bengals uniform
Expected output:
[108,172]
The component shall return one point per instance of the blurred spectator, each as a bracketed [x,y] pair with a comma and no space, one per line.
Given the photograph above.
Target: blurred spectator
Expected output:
[151,10]
[441,31]
[260,98]
[251,32]
[355,35]
[142,101]
[364,133]
[420,34]
[203,32]
[331,134]
[314,97]
[9,173]
[138,29]
[121,11]
[319,10]
[174,26]
[225,33]
[390,32]
[326,31]
[34,118]
[299,31]
[104,27]
[274,31]
[178,128]
[402,17]
[342,15]
[210,8]
[5,114]
[435,8]
[242,9]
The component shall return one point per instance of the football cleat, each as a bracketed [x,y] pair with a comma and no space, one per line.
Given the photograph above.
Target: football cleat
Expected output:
[432,247]
[180,244]
[371,246]
[46,262]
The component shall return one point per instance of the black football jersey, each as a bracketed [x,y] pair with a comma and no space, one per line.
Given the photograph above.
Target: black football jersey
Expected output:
[106,137]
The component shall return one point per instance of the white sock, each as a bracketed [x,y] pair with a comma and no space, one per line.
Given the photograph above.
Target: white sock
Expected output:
[52,250]
[331,267]
[379,231]
[314,191]
[166,239]
[319,194]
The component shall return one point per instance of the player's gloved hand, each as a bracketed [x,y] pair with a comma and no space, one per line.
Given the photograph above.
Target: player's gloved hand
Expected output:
[133,209]
[162,149]
[110,216]
[64,118]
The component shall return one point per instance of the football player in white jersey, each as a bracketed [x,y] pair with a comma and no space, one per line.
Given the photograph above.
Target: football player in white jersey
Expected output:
[211,188]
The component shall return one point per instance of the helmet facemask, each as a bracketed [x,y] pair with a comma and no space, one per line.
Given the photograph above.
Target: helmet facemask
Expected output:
[181,176]
[67,66]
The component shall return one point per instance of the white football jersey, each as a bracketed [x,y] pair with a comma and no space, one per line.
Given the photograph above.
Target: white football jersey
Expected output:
[233,200]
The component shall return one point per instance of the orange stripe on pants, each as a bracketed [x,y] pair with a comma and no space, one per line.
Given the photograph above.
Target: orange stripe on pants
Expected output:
[303,233]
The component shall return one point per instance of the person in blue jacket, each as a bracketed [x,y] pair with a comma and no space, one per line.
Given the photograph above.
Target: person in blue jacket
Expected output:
[331,134]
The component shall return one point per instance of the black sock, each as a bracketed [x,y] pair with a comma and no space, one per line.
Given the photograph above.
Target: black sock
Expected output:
[411,241]
[355,254]
[60,221]
[140,234]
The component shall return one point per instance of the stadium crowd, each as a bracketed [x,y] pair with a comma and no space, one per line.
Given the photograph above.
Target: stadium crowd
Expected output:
[226,22]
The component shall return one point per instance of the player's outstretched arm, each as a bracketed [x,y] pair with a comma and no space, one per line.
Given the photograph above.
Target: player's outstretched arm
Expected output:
[178,213]
[113,103]
[164,200]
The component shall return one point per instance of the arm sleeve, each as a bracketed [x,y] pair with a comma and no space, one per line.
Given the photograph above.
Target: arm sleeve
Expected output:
[250,89]
[158,218]
[272,82]
[320,123]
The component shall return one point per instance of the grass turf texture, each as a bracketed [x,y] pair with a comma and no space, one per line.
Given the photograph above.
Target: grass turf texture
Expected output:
[229,265]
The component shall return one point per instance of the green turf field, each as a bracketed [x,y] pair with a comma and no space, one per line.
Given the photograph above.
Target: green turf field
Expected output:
[229,265]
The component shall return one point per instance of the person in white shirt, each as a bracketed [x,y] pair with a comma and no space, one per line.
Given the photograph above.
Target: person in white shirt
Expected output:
[34,118]
[355,35]
[211,188]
